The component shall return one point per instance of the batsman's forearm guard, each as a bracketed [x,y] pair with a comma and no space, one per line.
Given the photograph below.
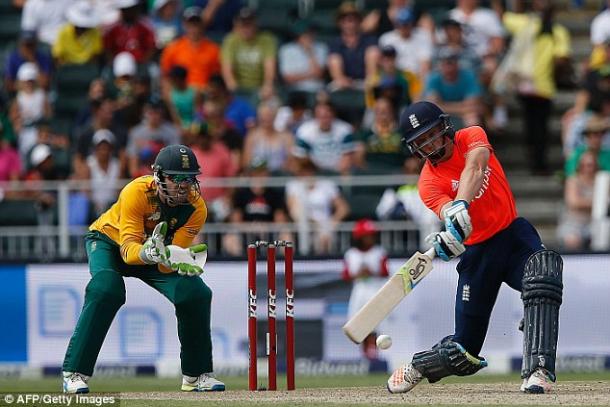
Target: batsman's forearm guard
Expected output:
[542,295]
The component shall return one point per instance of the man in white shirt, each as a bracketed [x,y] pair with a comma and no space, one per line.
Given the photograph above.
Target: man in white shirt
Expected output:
[327,141]
[46,17]
[482,27]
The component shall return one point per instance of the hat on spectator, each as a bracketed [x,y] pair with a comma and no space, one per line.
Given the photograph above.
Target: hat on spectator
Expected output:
[596,124]
[302,27]
[388,51]
[126,3]
[348,8]
[28,71]
[448,54]
[405,16]
[363,227]
[28,36]
[82,14]
[103,135]
[39,153]
[124,64]
[246,14]
[450,22]
[155,103]
[192,13]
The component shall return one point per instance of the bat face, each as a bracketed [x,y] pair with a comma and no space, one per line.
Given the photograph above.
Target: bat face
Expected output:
[389,296]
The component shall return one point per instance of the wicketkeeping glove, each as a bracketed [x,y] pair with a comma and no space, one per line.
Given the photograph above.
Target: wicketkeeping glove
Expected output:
[153,250]
[189,261]
[457,220]
[446,245]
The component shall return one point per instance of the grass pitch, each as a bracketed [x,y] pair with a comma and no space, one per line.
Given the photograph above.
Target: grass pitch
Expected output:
[480,390]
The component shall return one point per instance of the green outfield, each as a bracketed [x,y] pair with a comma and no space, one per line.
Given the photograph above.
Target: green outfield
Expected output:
[480,390]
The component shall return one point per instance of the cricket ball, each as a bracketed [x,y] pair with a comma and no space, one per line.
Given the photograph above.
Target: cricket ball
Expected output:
[384,341]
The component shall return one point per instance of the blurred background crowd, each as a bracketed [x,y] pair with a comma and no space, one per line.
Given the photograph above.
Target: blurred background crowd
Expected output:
[265,89]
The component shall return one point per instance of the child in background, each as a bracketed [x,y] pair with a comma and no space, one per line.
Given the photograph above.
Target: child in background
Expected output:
[182,98]
[366,265]
[31,104]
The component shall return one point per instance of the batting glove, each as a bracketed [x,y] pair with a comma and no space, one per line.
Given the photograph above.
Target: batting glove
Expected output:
[446,245]
[153,250]
[457,220]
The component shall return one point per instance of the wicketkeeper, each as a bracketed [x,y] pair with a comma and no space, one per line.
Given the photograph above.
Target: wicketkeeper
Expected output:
[463,182]
[146,234]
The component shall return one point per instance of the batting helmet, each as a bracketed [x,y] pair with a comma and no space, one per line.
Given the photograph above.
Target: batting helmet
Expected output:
[419,118]
[363,227]
[178,164]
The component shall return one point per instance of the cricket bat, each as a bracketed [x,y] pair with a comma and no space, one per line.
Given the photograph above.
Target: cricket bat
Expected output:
[389,296]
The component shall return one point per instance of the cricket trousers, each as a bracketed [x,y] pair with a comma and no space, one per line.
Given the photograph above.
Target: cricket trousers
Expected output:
[482,269]
[105,294]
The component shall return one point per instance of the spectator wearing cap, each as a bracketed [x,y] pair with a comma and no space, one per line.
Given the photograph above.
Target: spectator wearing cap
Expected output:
[166,21]
[79,41]
[124,70]
[483,29]
[198,55]
[413,45]
[249,57]
[132,33]
[104,170]
[594,134]
[265,143]
[217,162]
[302,62]
[42,169]
[238,112]
[30,105]
[390,82]
[182,98]
[455,90]
[49,133]
[45,17]
[102,117]
[149,137]
[353,55]
[27,50]
[452,37]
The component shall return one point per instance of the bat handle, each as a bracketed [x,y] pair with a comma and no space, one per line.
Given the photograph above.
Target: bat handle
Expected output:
[431,253]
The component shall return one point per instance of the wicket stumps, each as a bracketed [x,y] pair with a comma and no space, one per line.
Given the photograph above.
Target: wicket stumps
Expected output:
[271,337]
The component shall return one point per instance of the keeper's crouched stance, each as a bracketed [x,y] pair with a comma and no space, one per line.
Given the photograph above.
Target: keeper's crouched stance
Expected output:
[464,183]
[143,235]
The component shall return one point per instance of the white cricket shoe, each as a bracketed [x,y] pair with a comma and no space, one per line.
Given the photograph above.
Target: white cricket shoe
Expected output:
[404,379]
[75,382]
[204,382]
[539,382]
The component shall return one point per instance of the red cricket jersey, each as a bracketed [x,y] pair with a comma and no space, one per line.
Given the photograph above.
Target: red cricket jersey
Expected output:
[493,207]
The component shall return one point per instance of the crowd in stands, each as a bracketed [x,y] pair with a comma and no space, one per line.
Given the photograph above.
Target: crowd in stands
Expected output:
[93,89]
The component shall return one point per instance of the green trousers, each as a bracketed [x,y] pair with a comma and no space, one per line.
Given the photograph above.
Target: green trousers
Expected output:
[105,294]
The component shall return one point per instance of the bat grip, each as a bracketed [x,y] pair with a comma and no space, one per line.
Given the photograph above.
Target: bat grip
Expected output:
[431,253]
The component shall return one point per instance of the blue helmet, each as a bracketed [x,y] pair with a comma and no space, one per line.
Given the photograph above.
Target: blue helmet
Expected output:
[417,119]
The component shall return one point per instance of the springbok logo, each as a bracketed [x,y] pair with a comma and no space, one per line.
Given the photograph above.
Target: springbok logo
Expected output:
[414,121]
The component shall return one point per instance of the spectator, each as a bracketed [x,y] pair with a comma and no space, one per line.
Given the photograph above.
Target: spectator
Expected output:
[149,137]
[574,228]
[43,169]
[549,44]
[379,21]
[380,149]
[198,55]
[130,113]
[97,91]
[453,39]
[353,55]
[257,204]
[365,264]
[48,134]
[238,112]
[600,38]
[388,81]
[455,90]
[249,57]
[10,163]
[483,30]
[327,141]
[293,114]
[124,70]
[31,104]
[216,163]
[413,45]
[302,62]
[166,21]
[131,33]
[218,15]
[182,98]
[28,51]
[220,130]
[315,203]
[7,132]
[102,117]
[596,129]
[79,41]
[46,17]
[264,143]
[104,171]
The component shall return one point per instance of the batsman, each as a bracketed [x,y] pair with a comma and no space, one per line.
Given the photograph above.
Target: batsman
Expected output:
[463,182]
[146,234]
